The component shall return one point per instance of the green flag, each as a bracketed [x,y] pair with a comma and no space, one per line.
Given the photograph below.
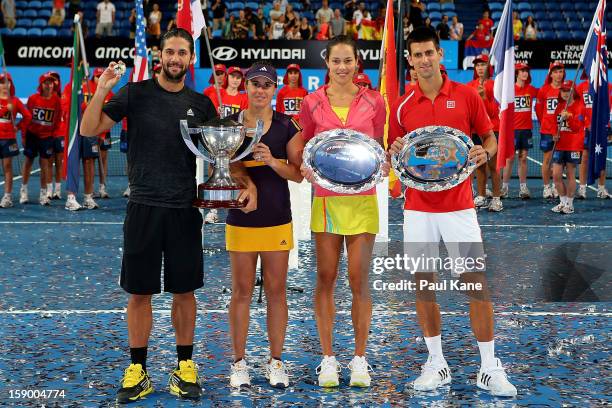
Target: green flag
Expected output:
[72,154]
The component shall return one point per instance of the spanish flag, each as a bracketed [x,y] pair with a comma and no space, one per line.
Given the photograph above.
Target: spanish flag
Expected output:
[389,86]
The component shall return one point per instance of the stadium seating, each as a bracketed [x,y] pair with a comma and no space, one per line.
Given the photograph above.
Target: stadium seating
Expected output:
[49,32]
[39,22]
[19,31]
[34,32]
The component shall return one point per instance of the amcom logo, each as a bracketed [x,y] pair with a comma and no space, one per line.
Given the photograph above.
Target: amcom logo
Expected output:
[224,53]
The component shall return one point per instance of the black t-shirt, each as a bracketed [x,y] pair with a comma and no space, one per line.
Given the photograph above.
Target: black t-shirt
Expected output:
[444,31]
[161,169]
[273,201]
[219,10]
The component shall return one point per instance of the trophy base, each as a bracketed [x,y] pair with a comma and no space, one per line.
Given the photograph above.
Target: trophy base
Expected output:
[218,197]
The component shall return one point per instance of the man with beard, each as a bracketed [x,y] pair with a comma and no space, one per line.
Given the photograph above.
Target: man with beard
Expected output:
[160,222]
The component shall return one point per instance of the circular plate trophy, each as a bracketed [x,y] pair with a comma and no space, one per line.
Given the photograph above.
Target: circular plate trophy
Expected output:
[221,138]
[434,158]
[344,161]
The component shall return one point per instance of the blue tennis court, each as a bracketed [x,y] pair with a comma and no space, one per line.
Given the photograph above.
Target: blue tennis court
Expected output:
[63,322]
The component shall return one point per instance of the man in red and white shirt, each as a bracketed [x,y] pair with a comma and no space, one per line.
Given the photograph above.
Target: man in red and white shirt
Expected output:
[524,97]
[450,214]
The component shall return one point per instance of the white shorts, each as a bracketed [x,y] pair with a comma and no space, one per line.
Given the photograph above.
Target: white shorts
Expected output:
[458,229]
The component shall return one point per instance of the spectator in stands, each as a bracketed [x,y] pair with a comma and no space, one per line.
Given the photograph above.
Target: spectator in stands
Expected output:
[456,32]
[486,21]
[132,20]
[276,12]
[154,21]
[105,18]
[349,9]
[155,55]
[257,25]
[227,32]
[172,24]
[241,27]
[531,29]
[337,24]
[284,4]
[218,10]
[443,29]
[324,14]
[480,34]
[277,29]
[292,18]
[9,13]
[58,13]
[427,24]
[357,17]
[262,17]
[416,13]
[517,25]
[407,27]
[305,29]
[294,33]
[73,7]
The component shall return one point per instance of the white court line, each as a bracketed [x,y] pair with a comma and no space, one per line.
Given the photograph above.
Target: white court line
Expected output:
[296,313]
[533,226]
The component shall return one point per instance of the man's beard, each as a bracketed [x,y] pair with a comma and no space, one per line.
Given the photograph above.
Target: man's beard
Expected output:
[174,78]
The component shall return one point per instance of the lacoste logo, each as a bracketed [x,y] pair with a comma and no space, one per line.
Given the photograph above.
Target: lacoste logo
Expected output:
[190,112]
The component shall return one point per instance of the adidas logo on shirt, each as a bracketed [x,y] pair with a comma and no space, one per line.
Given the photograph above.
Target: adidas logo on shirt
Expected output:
[190,112]
[283,242]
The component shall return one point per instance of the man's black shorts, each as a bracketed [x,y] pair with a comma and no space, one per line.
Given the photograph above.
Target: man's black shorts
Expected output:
[149,232]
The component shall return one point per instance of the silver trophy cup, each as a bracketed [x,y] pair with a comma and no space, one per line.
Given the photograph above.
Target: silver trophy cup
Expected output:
[222,139]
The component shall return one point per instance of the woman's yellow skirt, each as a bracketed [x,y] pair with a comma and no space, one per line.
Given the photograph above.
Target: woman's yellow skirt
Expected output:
[345,215]
[259,239]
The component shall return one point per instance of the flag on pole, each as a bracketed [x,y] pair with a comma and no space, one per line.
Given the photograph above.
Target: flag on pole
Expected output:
[141,63]
[389,86]
[502,54]
[189,16]
[72,155]
[595,62]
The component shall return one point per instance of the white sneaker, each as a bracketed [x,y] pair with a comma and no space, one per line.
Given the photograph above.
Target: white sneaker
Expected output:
[49,194]
[558,208]
[495,380]
[23,195]
[504,192]
[103,193]
[328,372]
[555,193]
[480,201]
[57,194]
[567,209]
[89,203]
[603,193]
[276,373]
[496,204]
[126,193]
[524,193]
[212,217]
[581,193]
[433,375]
[488,193]
[43,198]
[547,192]
[239,374]
[7,201]
[71,203]
[360,377]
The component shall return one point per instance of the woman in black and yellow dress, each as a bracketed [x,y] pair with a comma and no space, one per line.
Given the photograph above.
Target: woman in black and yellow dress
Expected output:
[266,232]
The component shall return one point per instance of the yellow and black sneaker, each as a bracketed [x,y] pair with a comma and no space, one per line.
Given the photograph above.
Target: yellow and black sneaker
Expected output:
[135,385]
[184,381]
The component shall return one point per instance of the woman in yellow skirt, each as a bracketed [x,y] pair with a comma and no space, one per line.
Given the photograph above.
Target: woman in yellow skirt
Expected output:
[266,232]
[337,218]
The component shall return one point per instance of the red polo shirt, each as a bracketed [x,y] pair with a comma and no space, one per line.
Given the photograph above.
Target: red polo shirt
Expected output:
[548,98]
[524,98]
[572,129]
[457,106]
